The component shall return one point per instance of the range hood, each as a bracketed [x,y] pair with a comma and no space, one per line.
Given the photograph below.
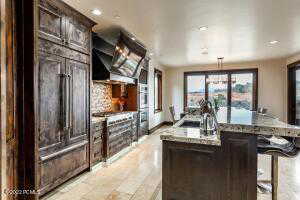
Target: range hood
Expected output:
[117,58]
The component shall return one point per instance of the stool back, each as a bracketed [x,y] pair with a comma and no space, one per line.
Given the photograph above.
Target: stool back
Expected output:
[172,112]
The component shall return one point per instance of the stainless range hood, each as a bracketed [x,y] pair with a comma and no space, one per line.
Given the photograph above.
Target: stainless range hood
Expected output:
[117,60]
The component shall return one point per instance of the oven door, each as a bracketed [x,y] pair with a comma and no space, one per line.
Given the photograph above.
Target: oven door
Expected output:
[143,116]
[143,100]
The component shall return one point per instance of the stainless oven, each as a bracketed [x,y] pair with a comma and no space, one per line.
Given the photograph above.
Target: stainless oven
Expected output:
[143,96]
[143,116]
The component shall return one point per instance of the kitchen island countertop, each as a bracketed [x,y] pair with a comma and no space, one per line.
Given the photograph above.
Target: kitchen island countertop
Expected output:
[231,120]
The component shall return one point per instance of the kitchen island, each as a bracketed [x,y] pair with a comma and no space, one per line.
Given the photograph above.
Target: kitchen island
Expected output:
[221,166]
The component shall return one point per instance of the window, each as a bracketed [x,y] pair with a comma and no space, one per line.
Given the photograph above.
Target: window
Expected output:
[242,90]
[157,90]
[195,90]
[233,88]
[218,89]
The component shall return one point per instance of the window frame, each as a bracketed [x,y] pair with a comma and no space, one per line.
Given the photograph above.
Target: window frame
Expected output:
[159,74]
[254,71]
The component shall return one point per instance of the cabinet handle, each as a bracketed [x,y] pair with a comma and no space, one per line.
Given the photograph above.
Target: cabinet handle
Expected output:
[67,103]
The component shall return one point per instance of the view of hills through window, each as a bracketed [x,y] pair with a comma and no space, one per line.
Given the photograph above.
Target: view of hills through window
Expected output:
[217,86]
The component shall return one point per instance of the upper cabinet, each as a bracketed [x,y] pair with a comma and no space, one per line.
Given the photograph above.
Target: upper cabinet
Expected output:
[78,35]
[64,26]
[52,22]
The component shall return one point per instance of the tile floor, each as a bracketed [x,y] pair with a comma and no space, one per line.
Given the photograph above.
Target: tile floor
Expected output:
[137,176]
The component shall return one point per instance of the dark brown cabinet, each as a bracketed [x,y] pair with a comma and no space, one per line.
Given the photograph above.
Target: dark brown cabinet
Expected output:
[98,128]
[191,172]
[50,110]
[78,35]
[208,172]
[63,79]
[79,80]
[63,119]
[62,26]
[52,22]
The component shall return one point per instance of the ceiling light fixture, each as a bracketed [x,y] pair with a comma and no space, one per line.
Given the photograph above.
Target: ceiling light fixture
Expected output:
[203,28]
[117,16]
[96,12]
[274,42]
[219,79]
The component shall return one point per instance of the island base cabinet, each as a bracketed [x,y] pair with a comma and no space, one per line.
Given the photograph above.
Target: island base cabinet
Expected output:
[239,159]
[189,172]
[207,172]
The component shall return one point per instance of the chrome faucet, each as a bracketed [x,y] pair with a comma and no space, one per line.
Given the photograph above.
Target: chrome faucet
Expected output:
[208,121]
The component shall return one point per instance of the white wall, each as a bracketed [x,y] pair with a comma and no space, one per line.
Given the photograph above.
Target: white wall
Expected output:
[271,85]
[156,118]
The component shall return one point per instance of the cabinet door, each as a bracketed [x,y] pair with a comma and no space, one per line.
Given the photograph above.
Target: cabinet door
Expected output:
[78,35]
[50,94]
[51,22]
[79,80]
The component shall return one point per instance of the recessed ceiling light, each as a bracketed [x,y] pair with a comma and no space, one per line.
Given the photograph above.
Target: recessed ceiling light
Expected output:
[96,12]
[203,28]
[204,51]
[274,42]
[133,38]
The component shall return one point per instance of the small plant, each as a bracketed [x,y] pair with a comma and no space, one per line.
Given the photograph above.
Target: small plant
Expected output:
[216,103]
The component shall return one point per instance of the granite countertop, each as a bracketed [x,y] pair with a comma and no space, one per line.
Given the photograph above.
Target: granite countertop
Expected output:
[232,120]
[98,119]
[189,135]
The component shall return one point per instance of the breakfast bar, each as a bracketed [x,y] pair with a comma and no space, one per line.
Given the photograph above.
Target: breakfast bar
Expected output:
[218,166]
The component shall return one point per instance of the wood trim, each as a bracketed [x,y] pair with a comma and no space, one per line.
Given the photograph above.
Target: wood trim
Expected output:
[26,10]
[229,90]
[291,95]
[8,107]
[229,72]
[3,105]
[159,73]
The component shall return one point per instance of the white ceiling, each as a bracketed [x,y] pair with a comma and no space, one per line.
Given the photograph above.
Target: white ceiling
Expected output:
[239,30]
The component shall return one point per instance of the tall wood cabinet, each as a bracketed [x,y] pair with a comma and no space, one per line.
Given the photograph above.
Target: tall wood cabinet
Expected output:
[62,85]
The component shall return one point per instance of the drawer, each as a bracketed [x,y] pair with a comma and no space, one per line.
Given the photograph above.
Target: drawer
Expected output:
[98,147]
[97,136]
[97,153]
[98,126]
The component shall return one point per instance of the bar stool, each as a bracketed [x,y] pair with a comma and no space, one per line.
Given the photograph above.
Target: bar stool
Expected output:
[172,112]
[290,152]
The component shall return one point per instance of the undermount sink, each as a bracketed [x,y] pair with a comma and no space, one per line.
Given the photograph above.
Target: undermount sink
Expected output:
[190,124]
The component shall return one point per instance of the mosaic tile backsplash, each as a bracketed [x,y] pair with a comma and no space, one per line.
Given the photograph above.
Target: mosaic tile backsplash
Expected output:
[101,97]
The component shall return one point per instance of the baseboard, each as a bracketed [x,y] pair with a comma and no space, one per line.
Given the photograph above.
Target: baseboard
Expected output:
[155,128]
[168,123]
